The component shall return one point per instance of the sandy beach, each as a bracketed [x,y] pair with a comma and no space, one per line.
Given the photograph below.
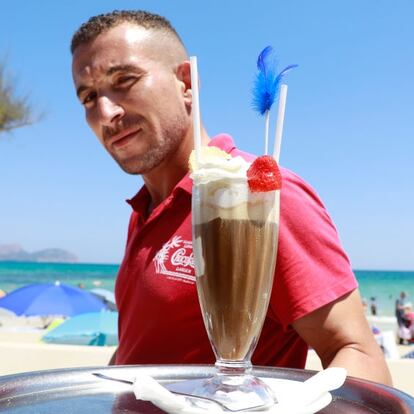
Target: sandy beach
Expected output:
[22,350]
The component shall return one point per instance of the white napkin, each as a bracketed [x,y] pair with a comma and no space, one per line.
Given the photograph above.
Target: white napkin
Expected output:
[294,397]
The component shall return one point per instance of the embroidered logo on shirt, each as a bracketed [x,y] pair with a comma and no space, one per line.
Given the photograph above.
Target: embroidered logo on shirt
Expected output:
[176,260]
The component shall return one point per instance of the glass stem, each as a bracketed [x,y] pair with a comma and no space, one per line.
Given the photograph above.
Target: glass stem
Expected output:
[225,367]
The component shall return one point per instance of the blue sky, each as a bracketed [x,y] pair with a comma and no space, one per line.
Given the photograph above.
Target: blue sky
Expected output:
[348,129]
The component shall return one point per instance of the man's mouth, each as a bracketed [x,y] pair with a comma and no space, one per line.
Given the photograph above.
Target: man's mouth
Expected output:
[122,138]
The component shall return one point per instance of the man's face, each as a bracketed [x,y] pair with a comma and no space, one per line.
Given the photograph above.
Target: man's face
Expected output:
[134,101]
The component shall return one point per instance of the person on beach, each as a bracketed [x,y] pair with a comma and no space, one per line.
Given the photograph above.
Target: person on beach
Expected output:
[131,73]
[409,320]
[402,333]
[373,305]
[399,307]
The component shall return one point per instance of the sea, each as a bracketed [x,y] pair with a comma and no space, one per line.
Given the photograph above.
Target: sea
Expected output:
[384,286]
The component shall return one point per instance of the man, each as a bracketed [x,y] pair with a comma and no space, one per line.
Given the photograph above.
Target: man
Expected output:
[132,75]
[399,307]
[403,332]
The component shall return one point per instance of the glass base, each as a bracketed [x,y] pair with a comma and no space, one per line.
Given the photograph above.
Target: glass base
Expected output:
[237,391]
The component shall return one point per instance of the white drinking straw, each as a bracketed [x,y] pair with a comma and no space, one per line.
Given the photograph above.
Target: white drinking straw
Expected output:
[195,108]
[267,119]
[280,120]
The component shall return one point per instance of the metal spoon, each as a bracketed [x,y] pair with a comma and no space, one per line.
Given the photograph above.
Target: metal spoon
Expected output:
[187,395]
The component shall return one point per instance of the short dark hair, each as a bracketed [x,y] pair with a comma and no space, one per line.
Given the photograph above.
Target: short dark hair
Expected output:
[103,22]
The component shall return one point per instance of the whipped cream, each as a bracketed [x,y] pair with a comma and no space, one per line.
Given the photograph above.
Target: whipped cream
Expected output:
[235,202]
[221,189]
[216,168]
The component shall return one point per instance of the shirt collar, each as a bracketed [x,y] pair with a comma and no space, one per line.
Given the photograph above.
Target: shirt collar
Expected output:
[140,201]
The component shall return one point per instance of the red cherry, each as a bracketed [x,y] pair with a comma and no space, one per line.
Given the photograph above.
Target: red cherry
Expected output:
[264,175]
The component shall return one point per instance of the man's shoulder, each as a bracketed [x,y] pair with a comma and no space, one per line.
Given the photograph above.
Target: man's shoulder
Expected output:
[297,195]
[291,180]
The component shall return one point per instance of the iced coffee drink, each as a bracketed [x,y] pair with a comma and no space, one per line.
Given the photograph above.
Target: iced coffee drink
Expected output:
[235,221]
[235,242]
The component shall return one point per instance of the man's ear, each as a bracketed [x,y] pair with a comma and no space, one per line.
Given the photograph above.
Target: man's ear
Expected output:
[184,75]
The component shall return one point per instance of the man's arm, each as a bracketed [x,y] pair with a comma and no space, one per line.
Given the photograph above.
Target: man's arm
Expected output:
[340,335]
[113,358]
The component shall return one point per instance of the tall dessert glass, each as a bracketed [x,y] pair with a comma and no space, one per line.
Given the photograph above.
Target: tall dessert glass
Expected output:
[235,234]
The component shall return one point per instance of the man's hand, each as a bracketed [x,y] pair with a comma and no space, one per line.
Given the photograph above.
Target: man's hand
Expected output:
[340,335]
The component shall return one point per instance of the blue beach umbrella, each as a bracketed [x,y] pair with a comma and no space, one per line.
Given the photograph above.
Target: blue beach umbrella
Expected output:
[106,296]
[97,328]
[43,299]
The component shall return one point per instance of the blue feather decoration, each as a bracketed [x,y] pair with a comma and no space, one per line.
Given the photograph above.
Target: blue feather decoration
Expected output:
[267,83]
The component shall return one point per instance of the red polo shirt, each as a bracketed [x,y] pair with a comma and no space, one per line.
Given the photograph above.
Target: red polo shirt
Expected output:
[160,320]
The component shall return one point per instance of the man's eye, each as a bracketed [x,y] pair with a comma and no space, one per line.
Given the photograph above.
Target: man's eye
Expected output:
[125,80]
[88,98]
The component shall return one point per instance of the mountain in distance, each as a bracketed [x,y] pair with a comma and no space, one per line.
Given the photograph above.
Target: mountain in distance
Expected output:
[15,253]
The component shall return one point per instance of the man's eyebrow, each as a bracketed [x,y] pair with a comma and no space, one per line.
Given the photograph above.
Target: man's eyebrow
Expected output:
[109,72]
[121,68]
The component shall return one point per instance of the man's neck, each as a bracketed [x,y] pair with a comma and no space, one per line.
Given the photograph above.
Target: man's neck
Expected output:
[161,184]
[161,181]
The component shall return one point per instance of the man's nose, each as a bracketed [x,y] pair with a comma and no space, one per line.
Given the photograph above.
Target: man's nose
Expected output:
[109,111]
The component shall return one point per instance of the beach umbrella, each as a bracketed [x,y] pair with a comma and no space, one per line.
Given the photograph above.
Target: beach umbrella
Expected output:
[44,299]
[106,296]
[96,328]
